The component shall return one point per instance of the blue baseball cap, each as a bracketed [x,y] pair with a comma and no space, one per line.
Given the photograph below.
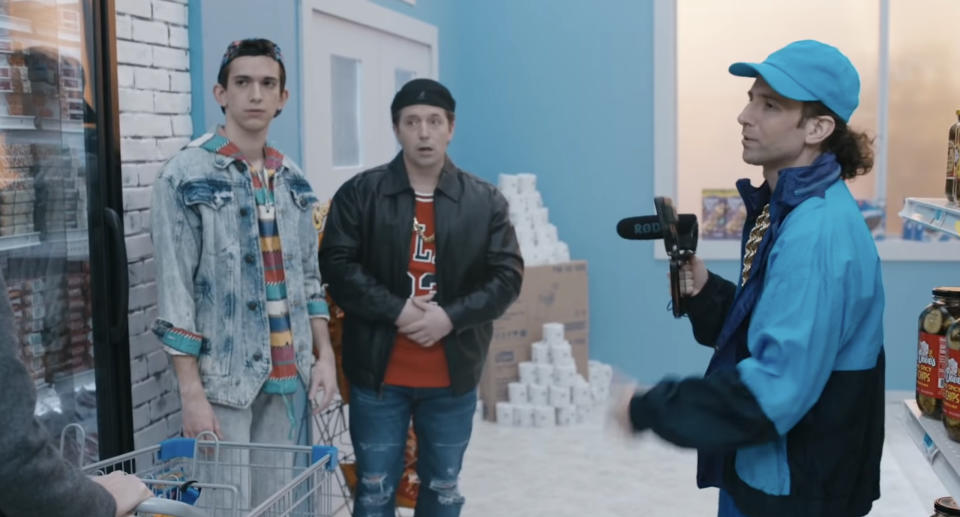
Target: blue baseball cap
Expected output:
[809,70]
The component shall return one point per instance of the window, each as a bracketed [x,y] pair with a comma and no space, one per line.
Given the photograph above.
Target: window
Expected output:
[402,77]
[345,108]
[907,64]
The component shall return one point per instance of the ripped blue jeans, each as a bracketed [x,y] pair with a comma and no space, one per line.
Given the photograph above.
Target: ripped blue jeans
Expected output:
[378,429]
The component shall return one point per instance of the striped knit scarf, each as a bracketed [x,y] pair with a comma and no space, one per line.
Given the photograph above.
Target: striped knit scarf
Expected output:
[283,374]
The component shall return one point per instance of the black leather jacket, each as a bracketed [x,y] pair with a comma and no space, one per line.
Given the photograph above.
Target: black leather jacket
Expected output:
[365,255]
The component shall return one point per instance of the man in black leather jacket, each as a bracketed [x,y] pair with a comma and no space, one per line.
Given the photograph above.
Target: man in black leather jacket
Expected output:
[422,258]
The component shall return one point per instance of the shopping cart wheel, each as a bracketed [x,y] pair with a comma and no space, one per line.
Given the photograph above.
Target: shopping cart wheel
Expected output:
[155,505]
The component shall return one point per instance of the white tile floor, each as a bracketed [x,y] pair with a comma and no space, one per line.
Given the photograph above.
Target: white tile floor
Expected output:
[583,471]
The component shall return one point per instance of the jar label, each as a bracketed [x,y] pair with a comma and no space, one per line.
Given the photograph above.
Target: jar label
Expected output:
[930,350]
[951,377]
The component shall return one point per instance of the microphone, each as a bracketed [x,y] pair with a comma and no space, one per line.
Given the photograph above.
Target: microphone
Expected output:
[679,233]
[648,227]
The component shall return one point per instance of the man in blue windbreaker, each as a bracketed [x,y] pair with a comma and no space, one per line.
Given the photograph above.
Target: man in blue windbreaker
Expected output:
[788,419]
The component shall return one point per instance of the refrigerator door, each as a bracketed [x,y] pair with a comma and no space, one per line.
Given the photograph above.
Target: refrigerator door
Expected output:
[60,236]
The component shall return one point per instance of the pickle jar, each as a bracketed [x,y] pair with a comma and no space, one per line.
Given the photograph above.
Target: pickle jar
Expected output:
[953,160]
[934,321]
[945,507]
[951,383]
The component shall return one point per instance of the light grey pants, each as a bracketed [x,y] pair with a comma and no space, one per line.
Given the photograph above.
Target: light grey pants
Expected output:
[259,472]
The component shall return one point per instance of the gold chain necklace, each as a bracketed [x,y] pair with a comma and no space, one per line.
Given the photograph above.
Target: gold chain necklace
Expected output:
[420,229]
[753,242]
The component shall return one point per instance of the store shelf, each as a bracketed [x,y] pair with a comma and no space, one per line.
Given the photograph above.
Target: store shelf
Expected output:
[30,123]
[933,213]
[20,241]
[942,452]
[73,243]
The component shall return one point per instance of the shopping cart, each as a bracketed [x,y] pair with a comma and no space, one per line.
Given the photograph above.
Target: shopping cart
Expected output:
[210,478]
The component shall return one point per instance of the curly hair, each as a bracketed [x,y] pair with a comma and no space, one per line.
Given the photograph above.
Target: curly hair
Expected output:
[854,149]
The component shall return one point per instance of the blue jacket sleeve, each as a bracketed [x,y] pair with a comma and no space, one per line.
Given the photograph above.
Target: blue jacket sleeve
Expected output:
[714,413]
[708,309]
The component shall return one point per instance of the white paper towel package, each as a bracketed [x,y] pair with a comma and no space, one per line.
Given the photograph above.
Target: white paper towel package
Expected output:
[522,415]
[504,413]
[528,372]
[539,240]
[550,392]
[517,393]
[540,352]
[544,374]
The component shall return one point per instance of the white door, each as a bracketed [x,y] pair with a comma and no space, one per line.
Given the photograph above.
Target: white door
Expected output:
[356,56]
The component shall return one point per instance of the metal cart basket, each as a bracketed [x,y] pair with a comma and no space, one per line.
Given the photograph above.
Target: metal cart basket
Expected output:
[209,478]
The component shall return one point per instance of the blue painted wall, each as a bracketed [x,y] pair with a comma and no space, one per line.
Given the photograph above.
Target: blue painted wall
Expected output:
[566,92]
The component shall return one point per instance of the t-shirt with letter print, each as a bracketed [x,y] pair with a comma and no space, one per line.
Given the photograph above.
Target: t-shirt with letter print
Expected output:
[412,365]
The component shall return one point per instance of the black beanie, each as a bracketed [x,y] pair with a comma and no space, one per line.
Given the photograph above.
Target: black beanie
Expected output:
[422,91]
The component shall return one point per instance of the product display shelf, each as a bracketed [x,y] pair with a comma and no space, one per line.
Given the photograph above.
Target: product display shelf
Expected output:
[73,243]
[934,213]
[19,241]
[942,452]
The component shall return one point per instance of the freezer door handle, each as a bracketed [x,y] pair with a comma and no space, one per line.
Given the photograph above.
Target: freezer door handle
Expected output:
[119,280]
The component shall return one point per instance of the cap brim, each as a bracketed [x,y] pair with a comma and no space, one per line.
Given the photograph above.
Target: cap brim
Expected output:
[779,81]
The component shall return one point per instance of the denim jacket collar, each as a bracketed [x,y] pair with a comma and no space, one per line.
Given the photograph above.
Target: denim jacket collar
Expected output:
[397,181]
[228,152]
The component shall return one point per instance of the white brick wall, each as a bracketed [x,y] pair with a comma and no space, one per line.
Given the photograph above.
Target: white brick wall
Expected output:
[154,94]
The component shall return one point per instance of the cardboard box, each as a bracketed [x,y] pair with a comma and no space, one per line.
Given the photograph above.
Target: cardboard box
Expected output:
[556,292]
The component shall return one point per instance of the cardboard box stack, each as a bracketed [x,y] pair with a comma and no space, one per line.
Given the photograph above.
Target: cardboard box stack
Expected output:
[549,390]
[17,192]
[61,188]
[539,242]
[556,293]
[54,322]
[42,189]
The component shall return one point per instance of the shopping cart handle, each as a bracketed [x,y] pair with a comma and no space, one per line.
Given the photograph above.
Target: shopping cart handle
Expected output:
[168,507]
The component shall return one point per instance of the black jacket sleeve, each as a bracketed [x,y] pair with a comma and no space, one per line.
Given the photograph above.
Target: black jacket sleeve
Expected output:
[351,285]
[714,413]
[35,480]
[504,274]
[708,309]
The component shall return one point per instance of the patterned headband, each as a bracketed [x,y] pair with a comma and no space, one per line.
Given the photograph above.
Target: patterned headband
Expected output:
[234,48]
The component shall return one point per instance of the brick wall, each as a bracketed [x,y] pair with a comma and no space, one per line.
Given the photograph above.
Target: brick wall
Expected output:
[153,78]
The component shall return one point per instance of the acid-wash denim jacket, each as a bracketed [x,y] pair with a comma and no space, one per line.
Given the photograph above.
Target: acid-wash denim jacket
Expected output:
[211,295]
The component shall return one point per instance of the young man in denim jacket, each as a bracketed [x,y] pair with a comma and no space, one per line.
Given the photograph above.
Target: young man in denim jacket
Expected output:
[788,419]
[422,257]
[240,304]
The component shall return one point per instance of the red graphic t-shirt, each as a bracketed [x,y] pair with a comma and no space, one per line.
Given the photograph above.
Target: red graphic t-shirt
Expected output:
[412,365]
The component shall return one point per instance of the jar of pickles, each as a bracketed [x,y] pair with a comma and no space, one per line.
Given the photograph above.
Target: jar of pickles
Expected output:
[934,321]
[951,383]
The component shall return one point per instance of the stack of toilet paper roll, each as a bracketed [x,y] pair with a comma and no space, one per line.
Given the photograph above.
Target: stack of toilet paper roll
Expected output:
[539,242]
[549,391]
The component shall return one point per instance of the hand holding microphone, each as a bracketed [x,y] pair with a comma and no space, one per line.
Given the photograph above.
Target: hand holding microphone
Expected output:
[693,276]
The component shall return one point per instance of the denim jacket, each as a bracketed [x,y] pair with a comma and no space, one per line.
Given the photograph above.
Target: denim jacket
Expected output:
[211,296]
